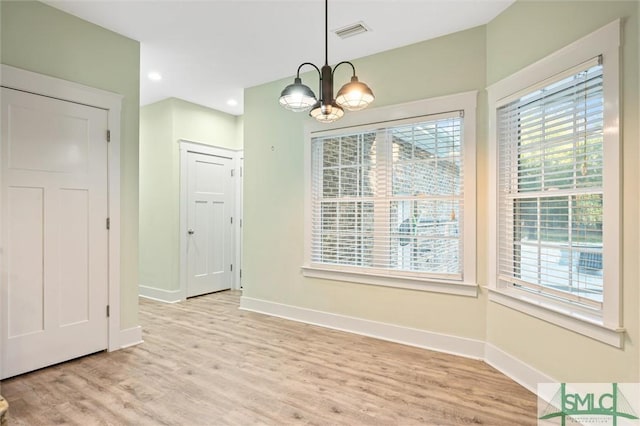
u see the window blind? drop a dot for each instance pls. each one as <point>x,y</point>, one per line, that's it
<point>390,199</point>
<point>550,148</point>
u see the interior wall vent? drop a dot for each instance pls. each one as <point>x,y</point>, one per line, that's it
<point>352,30</point>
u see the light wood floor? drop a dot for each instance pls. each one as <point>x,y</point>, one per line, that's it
<point>205,362</point>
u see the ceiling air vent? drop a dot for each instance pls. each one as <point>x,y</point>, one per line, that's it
<point>351,30</point>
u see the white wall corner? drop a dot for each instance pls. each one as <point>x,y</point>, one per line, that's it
<point>130,337</point>
<point>454,345</point>
<point>160,295</point>
<point>512,367</point>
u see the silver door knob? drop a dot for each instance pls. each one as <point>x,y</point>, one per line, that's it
<point>190,231</point>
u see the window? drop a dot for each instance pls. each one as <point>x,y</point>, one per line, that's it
<point>550,146</point>
<point>556,184</point>
<point>387,199</point>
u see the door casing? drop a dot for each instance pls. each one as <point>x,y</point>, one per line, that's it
<point>187,146</point>
<point>39,84</point>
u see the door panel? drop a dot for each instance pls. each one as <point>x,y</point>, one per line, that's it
<point>74,258</point>
<point>209,203</point>
<point>24,262</point>
<point>66,149</point>
<point>218,240</point>
<point>54,239</point>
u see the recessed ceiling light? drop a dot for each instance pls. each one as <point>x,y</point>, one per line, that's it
<point>154,76</point>
<point>232,102</point>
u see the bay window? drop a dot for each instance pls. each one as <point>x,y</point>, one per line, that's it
<point>555,188</point>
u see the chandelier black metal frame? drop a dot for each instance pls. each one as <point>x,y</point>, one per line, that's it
<point>353,96</point>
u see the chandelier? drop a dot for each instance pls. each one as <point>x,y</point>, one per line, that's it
<point>353,96</point>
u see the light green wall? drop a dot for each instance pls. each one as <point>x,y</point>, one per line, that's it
<point>523,34</point>
<point>197,123</point>
<point>159,184</point>
<point>240,132</point>
<point>274,190</point>
<point>162,125</point>
<point>42,39</point>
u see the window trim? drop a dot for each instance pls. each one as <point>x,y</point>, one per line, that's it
<point>466,102</point>
<point>605,326</point>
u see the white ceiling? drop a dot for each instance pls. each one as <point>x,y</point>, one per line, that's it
<point>209,51</point>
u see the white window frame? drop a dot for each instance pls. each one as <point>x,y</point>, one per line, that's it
<point>606,324</point>
<point>382,116</point>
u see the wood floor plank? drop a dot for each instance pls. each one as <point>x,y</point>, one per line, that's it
<point>205,362</point>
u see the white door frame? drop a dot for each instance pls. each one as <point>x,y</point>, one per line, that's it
<point>39,84</point>
<point>239,214</point>
<point>187,146</point>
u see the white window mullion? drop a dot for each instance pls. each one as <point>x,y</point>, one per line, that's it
<point>339,207</point>
<point>381,206</point>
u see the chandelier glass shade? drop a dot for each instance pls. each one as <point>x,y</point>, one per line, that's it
<point>297,97</point>
<point>353,96</point>
<point>326,113</point>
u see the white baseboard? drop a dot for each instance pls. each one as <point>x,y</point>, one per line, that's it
<point>167,296</point>
<point>518,371</point>
<point>455,345</point>
<point>130,337</point>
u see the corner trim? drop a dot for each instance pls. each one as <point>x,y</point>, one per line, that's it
<point>130,337</point>
<point>520,372</point>
<point>462,346</point>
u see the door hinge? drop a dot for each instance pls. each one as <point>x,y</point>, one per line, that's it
<point>108,135</point>
<point>108,223</point>
<point>240,273</point>
<point>232,267</point>
<point>232,172</point>
<point>240,222</point>
<point>108,313</point>
<point>240,171</point>
<point>232,220</point>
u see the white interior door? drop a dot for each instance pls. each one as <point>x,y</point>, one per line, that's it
<point>54,241</point>
<point>209,223</point>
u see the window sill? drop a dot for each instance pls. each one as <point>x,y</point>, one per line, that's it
<point>553,314</point>
<point>431,285</point>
